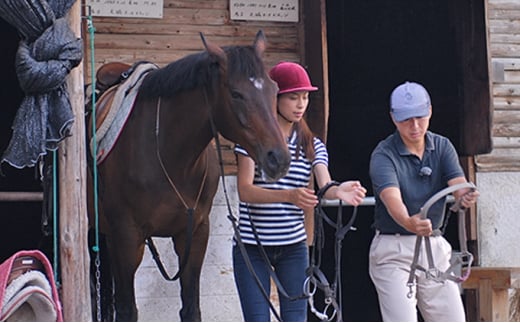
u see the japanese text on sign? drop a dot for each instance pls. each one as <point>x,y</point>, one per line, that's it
<point>126,8</point>
<point>274,10</point>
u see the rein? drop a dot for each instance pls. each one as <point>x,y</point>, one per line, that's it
<point>189,210</point>
<point>466,258</point>
<point>233,219</point>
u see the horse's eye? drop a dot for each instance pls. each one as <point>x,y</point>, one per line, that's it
<point>236,95</point>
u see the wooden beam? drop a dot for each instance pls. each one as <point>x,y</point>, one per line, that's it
<point>21,196</point>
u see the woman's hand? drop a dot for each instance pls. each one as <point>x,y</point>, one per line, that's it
<point>303,197</point>
<point>351,192</point>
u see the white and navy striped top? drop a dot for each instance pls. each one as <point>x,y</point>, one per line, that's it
<point>280,223</point>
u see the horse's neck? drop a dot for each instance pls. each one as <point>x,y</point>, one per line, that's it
<point>184,128</point>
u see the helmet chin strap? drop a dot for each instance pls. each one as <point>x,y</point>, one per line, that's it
<point>281,115</point>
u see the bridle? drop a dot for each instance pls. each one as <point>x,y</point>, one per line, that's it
<point>316,278</point>
<point>465,259</point>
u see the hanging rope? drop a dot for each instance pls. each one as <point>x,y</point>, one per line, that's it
<point>95,248</point>
<point>55,218</point>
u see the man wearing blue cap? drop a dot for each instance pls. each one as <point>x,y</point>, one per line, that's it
<point>406,169</point>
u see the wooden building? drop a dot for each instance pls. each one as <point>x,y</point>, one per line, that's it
<point>466,52</point>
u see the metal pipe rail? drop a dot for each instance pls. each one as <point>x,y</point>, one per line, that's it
<point>369,201</point>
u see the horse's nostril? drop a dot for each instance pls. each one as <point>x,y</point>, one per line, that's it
<point>277,163</point>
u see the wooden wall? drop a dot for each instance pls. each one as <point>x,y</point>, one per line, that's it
<point>177,34</point>
<point>504,48</point>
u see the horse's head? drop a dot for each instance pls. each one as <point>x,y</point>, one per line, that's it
<point>246,113</point>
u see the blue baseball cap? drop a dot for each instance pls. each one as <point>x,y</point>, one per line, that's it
<point>409,100</point>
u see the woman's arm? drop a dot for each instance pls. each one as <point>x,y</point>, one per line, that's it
<point>304,198</point>
<point>351,192</point>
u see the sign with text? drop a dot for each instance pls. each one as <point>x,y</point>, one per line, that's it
<point>271,10</point>
<point>126,8</point>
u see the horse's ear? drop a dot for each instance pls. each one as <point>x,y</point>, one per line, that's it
<point>213,49</point>
<point>260,43</point>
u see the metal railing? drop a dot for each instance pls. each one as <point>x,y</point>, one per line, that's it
<point>369,201</point>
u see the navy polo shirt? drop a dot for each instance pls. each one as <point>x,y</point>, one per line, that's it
<point>392,165</point>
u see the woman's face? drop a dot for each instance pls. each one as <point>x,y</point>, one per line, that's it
<point>292,105</point>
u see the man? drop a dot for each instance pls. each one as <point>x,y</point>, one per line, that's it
<point>406,169</point>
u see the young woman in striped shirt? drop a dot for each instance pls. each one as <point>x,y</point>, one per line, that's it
<point>272,213</point>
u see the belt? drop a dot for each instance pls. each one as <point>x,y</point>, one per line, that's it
<point>435,233</point>
<point>393,233</point>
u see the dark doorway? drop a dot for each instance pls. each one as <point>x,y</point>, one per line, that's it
<point>374,45</point>
<point>20,221</point>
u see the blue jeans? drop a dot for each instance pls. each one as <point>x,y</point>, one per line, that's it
<point>289,263</point>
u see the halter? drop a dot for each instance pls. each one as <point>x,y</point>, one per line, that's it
<point>466,258</point>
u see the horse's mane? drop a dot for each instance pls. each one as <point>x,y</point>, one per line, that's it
<point>200,69</point>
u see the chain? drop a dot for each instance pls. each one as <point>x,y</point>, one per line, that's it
<point>98,289</point>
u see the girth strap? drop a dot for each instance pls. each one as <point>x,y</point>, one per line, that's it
<point>466,258</point>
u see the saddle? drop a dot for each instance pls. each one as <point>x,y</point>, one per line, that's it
<point>27,289</point>
<point>108,77</point>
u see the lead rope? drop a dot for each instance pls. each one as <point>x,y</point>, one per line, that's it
<point>233,219</point>
<point>95,248</point>
<point>466,259</point>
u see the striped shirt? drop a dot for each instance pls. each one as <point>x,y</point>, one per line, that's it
<point>280,223</point>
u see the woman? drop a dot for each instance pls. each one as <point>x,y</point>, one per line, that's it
<point>272,213</point>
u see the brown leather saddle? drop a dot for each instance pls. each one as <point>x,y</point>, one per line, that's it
<point>108,77</point>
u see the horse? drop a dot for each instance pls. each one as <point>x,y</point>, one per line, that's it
<point>161,176</point>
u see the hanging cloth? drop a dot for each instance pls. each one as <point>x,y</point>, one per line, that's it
<point>47,52</point>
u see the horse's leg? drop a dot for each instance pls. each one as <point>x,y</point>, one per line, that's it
<point>126,253</point>
<point>190,277</point>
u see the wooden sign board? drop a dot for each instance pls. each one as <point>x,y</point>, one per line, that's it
<point>126,8</point>
<point>269,10</point>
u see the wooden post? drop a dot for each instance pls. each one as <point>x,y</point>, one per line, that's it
<point>74,256</point>
<point>492,285</point>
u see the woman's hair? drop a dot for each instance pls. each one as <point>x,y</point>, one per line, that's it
<point>304,139</point>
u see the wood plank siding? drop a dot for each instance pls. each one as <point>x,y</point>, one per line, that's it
<point>504,48</point>
<point>177,34</point>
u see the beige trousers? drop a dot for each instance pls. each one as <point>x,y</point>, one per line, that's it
<point>389,267</point>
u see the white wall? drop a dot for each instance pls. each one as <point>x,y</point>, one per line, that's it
<point>498,219</point>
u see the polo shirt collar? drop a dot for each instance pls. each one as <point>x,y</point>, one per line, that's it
<point>403,151</point>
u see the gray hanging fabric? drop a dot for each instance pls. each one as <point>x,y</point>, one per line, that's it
<point>48,51</point>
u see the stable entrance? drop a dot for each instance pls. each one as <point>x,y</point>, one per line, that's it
<point>374,45</point>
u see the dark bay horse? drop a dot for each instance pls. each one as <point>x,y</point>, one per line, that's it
<point>164,165</point>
